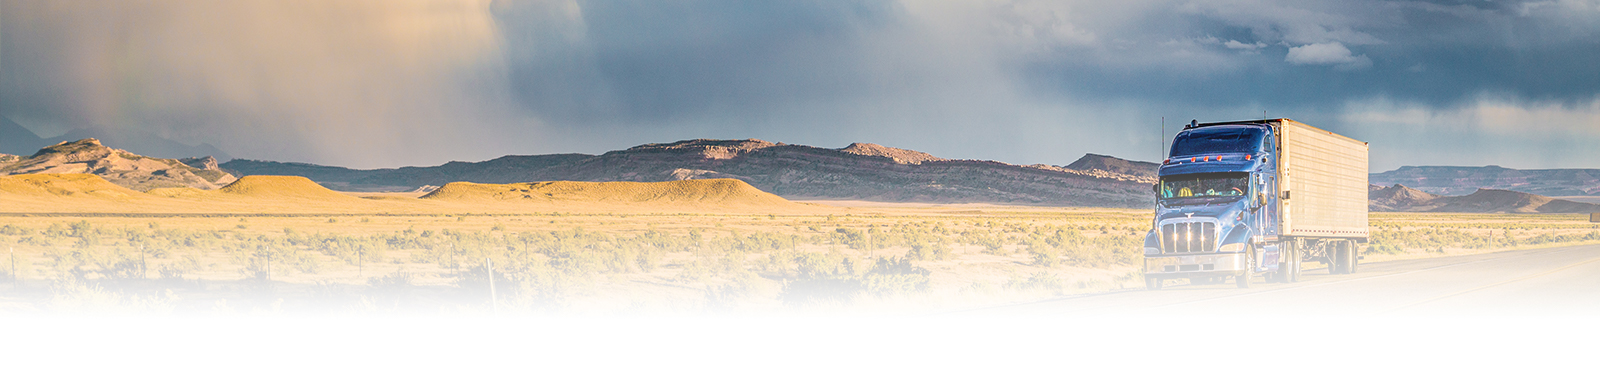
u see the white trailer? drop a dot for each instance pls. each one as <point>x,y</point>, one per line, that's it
<point>1324,197</point>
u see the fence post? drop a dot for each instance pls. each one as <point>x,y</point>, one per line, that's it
<point>494,301</point>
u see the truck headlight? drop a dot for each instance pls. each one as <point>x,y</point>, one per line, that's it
<point>1234,247</point>
<point>1151,251</point>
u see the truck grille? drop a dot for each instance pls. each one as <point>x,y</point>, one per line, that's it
<point>1189,237</point>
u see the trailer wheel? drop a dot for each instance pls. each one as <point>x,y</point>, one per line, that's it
<point>1355,257</point>
<point>1338,264</point>
<point>1152,284</point>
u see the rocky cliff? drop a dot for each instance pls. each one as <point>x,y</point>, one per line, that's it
<point>117,166</point>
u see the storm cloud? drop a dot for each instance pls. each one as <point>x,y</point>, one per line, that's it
<point>382,83</point>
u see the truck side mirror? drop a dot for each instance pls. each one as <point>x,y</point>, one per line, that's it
<point>1155,188</point>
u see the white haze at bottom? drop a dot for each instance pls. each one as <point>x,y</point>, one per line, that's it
<point>798,352</point>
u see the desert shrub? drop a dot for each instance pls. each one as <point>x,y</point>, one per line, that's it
<point>1043,254</point>
<point>892,276</point>
<point>306,264</point>
<point>738,286</point>
<point>38,241</point>
<point>396,281</point>
<point>531,282</point>
<point>851,238</point>
<point>928,250</point>
<point>177,270</point>
<point>694,271</point>
<point>646,260</point>
<point>13,230</point>
<point>820,278</point>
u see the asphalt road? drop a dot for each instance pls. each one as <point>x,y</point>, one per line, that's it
<point>1526,283</point>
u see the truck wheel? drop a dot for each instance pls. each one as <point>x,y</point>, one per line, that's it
<point>1289,269</point>
<point>1294,269</point>
<point>1243,280</point>
<point>1152,284</point>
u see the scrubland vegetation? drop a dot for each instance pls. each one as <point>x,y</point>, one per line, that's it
<point>564,262</point>
<point>628,263</point>
<point>1410,235</point>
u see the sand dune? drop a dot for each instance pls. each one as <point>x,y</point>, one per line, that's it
<point>71,185</point>
<point>71,192</point>
<point>282,188</point>
<point>85,193</point>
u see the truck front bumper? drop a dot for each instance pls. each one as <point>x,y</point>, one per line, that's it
<point>1194,265</point>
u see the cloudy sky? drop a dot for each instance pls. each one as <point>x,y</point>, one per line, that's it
<point>374,83</point>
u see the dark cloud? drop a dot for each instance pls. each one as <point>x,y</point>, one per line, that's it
<point>1020,81</point>
<point>654,60</point>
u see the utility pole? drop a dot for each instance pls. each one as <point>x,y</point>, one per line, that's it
<point>494,301</point>
<point>143,272</point>
<point>1163,144</point>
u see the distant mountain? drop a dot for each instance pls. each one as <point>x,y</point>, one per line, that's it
<point>503,170</point>
<point>142,144</point>
<point>858,171</point>
<point>1467,180</point>
<point>1401,198</point>
<point>117,166</point>
<point>1503,201</point>
<point>903,156</point>
<point>1097,162</point>
<point>15,139</point>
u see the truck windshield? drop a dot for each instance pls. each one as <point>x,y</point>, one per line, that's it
<point>1217,140</point>
<point>1204,184</point>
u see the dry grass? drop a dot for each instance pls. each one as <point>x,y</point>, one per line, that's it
<point>586,263</point>
<point>288,245</point>
<point>1418,235</point>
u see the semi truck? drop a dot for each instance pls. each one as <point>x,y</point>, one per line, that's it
<point>1256,198</point>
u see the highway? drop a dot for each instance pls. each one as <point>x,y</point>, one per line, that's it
<point>1535,283</point>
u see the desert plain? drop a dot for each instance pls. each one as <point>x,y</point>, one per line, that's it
<point>285,245</point>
